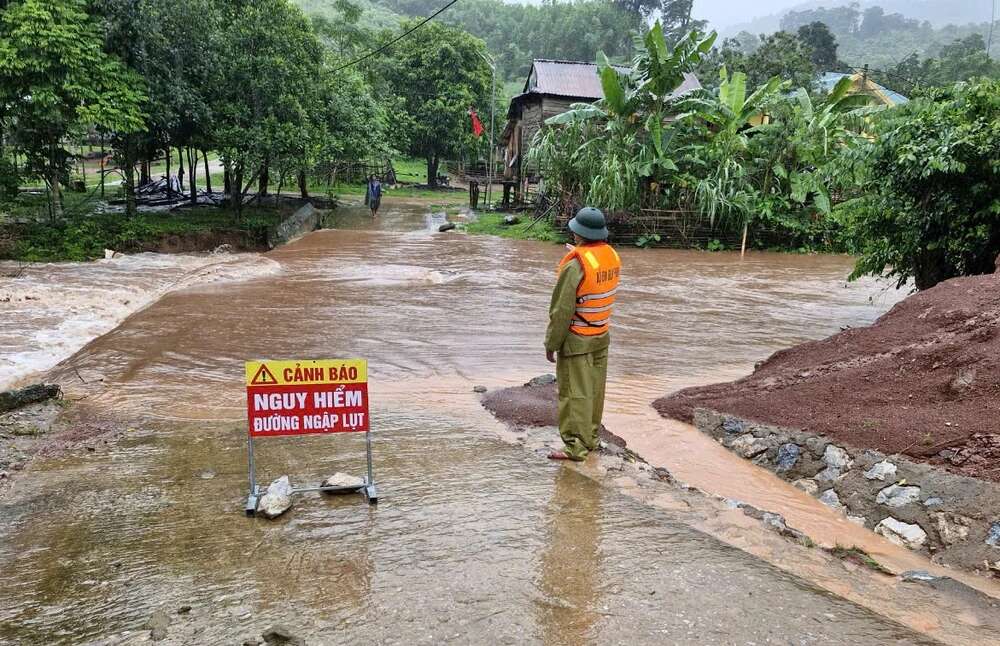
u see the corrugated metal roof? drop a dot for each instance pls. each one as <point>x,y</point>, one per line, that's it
<point>828,80</point>
<point>579,80</point>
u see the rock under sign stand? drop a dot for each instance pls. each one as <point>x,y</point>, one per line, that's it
<point>277,500</point>
<point>341,479</point>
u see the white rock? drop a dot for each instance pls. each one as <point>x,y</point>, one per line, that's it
<point>857,520</point>
<point>341,479</point>
<point>900,533</point>
<point>278,498</point>
<point>883,470</point>
<point>828,474</point>
<point>807,485</point>
<point>831,500</point>
<point>897,496</point>
<point>836,457</point>
<point>748,445</point>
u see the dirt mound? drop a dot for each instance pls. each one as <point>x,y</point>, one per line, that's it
<point>923,380</point>
<point>533,405</point>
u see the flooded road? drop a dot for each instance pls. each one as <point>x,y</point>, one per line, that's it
<point>475,540</point>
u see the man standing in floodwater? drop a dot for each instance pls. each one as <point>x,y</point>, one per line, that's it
<point>373,194</point>
<point>578,336</point>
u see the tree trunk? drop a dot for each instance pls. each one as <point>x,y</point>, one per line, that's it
<point>180,167</point>
<point>143,171</point>
<point>264,180</point>
<point>208,175</point>
<point>55,190</point>
<point>103,154</point>
<point>432,171</point>
<point>281,184</point>
<point>170,187</point>
<point>192,173</point>
<point>303,185</point>
<point>227,181</point>
<point>235,194</point>
<point>128,177</point>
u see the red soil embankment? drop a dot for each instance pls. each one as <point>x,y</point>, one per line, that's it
<point>923,380</point>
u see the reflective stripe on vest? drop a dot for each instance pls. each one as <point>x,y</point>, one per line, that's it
<point>595,297</point>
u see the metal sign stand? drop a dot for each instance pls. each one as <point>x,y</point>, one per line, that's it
<point>367,488</point>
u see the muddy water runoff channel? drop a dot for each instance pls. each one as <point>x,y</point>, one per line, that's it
<point>476,539</point>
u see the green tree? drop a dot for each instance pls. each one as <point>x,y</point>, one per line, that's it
<point>675,16</point>
<point>437,75</point>
<point>822,43</point>
<point>928,188</point>
<point>783,55</point>
<point>172,44</point>
<point>56,80</point>
<point>266,103</point>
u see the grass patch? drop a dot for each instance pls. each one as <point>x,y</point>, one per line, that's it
<point>493,224</point>
<point>84,234</point>
<point>857,555</point>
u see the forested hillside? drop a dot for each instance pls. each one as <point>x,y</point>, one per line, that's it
<point>515,34</point>
<point>936,12</point>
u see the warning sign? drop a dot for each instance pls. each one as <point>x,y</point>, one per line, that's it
<point>303,397</point>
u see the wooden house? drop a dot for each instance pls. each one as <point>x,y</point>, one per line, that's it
<point>551,88</point>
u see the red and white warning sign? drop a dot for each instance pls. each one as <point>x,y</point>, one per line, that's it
<point>303,397</point>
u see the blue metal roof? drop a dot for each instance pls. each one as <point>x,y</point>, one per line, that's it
<point>828,80</point>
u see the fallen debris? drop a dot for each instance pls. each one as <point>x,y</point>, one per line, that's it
<point>13,399</point>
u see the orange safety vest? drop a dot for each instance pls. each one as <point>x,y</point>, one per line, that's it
<point>595,297</point>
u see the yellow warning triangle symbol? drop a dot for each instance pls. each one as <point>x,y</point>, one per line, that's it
<point>263,376</point>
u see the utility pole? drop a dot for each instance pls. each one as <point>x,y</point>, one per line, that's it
<point>489,157</point>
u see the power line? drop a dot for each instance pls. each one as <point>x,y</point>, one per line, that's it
<point>396,39</point>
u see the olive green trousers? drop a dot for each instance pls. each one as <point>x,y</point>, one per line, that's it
<point>582,379</point>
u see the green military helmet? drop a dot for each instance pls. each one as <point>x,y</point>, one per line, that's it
<point>589,224</point>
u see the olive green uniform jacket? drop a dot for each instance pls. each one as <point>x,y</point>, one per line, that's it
<point>581,368</point>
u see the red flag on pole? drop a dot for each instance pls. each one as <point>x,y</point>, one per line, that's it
<point>477,125</point>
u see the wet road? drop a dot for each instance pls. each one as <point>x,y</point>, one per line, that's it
<point>475,539</point>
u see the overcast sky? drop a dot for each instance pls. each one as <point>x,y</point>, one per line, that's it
<point>724,13</point>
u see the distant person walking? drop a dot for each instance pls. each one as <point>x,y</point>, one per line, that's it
<point>373,194</point>
<point>578,336</point>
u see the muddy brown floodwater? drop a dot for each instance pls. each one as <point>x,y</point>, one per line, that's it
<point>475,539</point>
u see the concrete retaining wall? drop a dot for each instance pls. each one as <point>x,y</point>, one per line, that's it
<point>304,220</point>
<point>953,519</point>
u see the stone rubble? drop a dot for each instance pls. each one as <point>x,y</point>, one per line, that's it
<point>831,500</point>
<point>898,495</point>
<point>341,479</point>
<point>837,458</point>
<point>951,528</point>
<point>883,470</point>
<point>900,533</point>
<point>277,500</point>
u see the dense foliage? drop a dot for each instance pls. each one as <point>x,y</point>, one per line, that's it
<point>517,33</point>
<point>56,80</point>
<point>436,78</point>
<point>270,92</point>
<point>927,189</point>
<point>749,157</point>
<point>881,39</point>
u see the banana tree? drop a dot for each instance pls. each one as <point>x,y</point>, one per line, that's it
<point>728,117</point>
<point>628,141</point>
